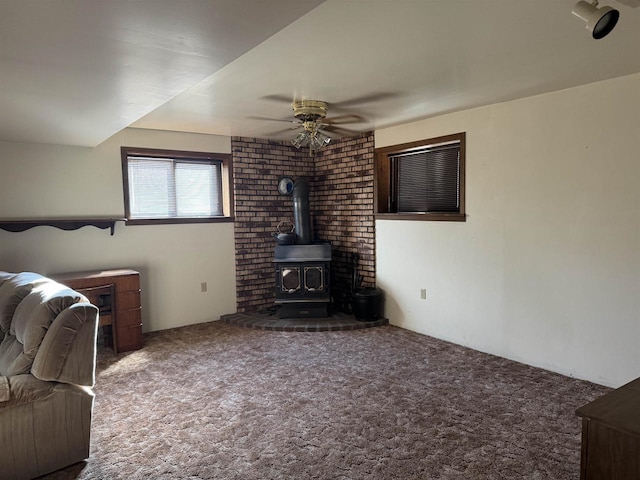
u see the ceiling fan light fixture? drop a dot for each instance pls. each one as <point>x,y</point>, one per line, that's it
<point>325,139</point>
<point>310,113</point>
<point>300,140</point>
<point>315,140</point>
<point>318,141</point>
<point>600,21</point>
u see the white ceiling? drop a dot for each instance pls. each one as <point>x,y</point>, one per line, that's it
<point>78,71</point>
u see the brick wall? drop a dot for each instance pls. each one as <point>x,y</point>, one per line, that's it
<point>341,202</point>
<point>343,210</point>
<point>257,166</point>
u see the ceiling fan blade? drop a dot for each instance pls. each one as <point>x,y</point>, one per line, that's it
<point>278,98</point>
<point>372,97</point>
<point>343,119</point>
<point>285,130</point>
<point>256,117</point>
<point>343,132</point>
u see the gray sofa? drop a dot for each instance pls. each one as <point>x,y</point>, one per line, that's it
<point>47,371</point>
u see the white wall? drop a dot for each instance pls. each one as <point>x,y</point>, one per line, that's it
<point>38,180</point>
<point>546,270</point>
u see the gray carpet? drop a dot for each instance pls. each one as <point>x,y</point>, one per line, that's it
<point>216,401</point>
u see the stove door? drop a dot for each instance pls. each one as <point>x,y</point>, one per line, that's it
<point>290,279</point>
<point>302,282</point>
<point>314,278</point>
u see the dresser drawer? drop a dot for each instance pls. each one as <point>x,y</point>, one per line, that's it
<point>129,318</point>
<point>127,300</point>
<point>127,283</point>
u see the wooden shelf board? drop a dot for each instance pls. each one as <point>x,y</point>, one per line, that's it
<point>20,225</point>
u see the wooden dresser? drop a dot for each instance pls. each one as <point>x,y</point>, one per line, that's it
<point>611,435</point>
<point>117,294</point>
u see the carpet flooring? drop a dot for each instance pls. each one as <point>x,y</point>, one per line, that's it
<point>217,401</point>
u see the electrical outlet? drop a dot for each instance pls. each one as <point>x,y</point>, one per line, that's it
<point>203,286</point>
<point>423,293</point>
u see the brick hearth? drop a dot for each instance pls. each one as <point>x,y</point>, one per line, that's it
<point>270,321</point>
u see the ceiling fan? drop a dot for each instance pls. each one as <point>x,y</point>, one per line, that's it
<point>311,117</point>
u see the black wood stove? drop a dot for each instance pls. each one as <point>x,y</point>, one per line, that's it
<point>303,280</point>
<point>303,269</point>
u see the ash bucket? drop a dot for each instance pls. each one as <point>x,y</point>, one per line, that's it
<point>367,304</point>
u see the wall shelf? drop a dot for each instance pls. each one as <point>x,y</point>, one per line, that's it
<point>61,223</point>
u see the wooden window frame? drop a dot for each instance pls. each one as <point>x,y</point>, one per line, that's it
<point>383,181</point>
<point>226,161</point>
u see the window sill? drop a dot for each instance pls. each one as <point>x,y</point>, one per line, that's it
<point>170,221</point>
<point>428,217</point>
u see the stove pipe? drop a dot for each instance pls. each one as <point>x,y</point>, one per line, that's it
<point>301,212</point>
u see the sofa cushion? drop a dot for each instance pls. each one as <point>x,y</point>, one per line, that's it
<point>30,323</point>
<point>13,288</point>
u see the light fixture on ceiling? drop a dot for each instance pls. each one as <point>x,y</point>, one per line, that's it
<point>600,21</point>
<point>310,112</point>
<point>311,137</point>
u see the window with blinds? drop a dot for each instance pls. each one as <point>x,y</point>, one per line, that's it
<point>422,180</point>
<point>428,180</point>
<point>162,185</point>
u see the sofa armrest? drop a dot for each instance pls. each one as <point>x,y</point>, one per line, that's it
<point>5,391</point>
<point>44,426</point>
<point>68,351</point>
<point>26,388</point>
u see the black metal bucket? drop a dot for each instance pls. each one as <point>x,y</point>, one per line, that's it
<point>367,304</point>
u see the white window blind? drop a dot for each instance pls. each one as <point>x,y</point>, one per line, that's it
<point>174,188</point>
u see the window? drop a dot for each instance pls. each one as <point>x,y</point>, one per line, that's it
<point>422,180</point>
<point>162,186</point>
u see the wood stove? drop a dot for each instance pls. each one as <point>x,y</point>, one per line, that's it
<point>303,280</point>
